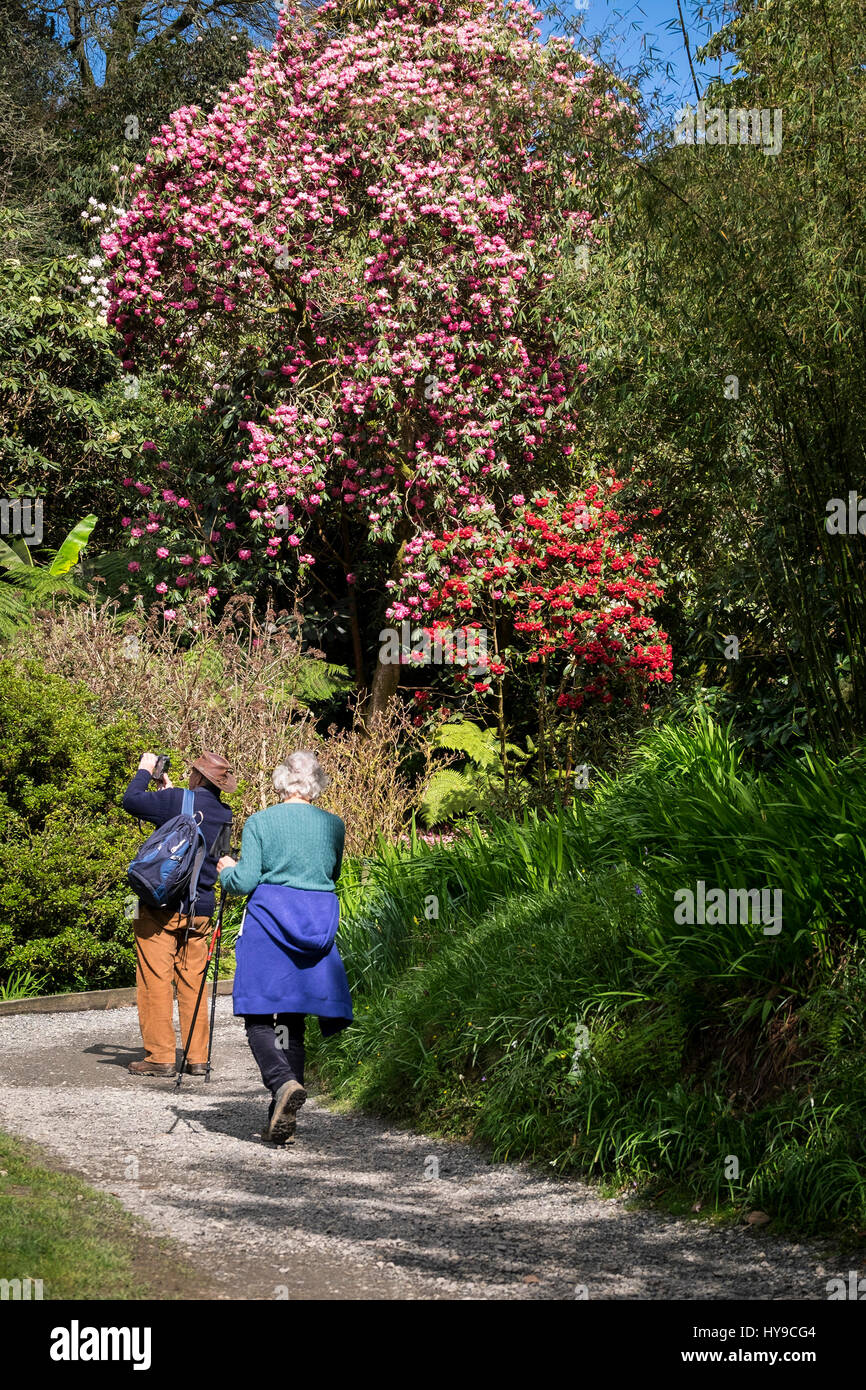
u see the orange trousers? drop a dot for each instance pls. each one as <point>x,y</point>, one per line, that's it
<point>164,957</point>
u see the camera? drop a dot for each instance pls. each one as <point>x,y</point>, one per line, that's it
<point>160,768</point>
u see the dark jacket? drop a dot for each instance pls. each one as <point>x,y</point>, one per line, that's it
<point>159,806</point>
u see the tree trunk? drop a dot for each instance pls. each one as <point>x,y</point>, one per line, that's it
<point>123,39</point>
<point>386,676</point>
<point>77,46</point>
<point>386,679</point>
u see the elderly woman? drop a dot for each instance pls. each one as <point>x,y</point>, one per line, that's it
<point>287,965</point>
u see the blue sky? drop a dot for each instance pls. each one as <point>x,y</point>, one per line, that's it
<point>635,31</point>
<point>649,30</point>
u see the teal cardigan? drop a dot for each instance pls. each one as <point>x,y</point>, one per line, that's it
<point>295,844</point>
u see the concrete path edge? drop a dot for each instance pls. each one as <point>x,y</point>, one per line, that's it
<point>86,999</point>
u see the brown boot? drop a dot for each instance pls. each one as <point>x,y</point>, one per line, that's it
<point>152,1068</point>
<point>197,1068</point>
<point>288,1100</point>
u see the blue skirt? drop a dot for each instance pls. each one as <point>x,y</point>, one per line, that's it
<point>286,957</point>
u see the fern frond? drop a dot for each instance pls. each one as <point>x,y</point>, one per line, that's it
<point>451,793</point>
<point>481,746</point>
<point>14,609</point>
<point>321,680</point>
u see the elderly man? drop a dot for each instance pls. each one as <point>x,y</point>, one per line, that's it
<point>169,946</point>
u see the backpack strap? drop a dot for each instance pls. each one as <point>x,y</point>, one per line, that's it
<point>188,809</point>
<point>200,854</point>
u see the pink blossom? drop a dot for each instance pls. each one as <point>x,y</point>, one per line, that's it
<point>462,239</point>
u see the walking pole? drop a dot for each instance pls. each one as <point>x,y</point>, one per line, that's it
<point>216,972</point>
<point>214,942</point>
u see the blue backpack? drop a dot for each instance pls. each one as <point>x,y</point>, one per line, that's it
<point>165,871</point>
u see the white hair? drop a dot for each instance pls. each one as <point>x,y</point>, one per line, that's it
<point>301,775</point>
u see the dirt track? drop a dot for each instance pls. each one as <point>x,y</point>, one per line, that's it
<point>354,1210</point>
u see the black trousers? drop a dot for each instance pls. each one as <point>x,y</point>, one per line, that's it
<point>277,1043</point>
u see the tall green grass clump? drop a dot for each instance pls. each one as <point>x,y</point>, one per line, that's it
<point>529,987</point>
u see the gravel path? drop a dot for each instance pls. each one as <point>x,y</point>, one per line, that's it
<point>354,1209</point>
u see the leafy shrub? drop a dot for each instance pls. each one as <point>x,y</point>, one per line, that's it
<point>65,843</point>
<point>452,791</point>
<point>74,960</point>
<point>241,687</point>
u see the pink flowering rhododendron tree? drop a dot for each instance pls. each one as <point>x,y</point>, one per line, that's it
<point>347,262</point>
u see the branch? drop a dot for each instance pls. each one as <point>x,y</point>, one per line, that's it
<point>77,46</point>
<point>688,49</point>
<point>183,20</point>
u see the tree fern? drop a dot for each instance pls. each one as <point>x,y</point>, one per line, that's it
<point>451,793</point>
<point>14,609</point>
<point>320,680</point>
<point>459,791</point>
<point>481,746</point>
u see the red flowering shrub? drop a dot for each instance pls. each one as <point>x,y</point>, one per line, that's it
<point>564,583</point>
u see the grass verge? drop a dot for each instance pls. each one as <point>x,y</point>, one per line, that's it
<point>81,1243</point>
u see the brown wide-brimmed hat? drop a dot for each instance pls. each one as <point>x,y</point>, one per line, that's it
<point>217,770</point>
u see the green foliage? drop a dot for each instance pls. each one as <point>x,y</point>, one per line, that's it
<point>453,792</point>
<point>699,1043</point>
<point>59,394</point>
<point>69,551</point>
<point>28,584</point>
<point>74,960</point>
<point>101,144</point>
<point>317,682</point>
<point>481,746</point>
<point>724,321</point>
<point>22,984</point>
<point>64,404</point>
<point>65,843</point>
